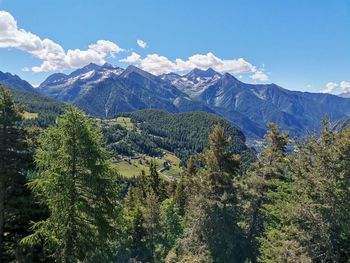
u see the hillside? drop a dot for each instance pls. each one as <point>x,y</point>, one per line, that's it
<point>15,82</point>
<point>153,132</point>
<point>46,109</point>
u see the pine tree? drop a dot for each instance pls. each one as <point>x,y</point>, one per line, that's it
<point>138,233</point>
<point>75,182</point>
<point>212,233</point>
<point>264,176</point>
<point>152,224</point>
<point>13,157</point>
<point>155,182</point>
<point>185,187</point>
<point>309,219</point>
<point>171,225</point>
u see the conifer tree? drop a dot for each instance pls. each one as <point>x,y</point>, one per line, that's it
<point>312,220</point>
<point>171,225</point>
<point>212,233</point>
<point>13,153</point>
<point>75,182</point>
<point>264,176</point>
<point>152,224</point>
<point>185,187</point>
<point>155,182</point>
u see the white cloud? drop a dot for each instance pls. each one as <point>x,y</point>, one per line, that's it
<point>259,75</point>
<point>330,87</point>
<point>133,58</point>
<point>55,58</point>
<point>158,64</point>
<point>141,43</point>
<point>345,85</point>
<point>52,54</point>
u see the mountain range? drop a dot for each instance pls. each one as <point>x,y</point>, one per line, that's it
<point>106,90</point>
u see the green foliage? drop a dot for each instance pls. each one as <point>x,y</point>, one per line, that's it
<point>48,109</point>
<point>212,233</point>
<point>183,134</point>
<point>284,207</point>
<point>75,182</point>
<point>14,159</point>
<point>262,180</point>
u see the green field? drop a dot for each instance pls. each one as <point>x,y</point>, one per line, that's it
<point>135,168</point>
<point>30,115</point>
<point>125,122</point>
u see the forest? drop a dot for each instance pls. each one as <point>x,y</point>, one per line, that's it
<point>62,201</point>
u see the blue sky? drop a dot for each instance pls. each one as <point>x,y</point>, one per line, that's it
<point>300,45</point>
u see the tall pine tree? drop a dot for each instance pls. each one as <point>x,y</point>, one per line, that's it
<point>212,233</point>
<point>13,151</point>
<point>75,182</point>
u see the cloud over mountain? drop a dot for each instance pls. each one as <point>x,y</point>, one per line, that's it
<point>53,55</point>
<point>158,64</point>
<point>55,58</point>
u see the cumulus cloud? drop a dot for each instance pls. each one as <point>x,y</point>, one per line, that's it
<point>260,76</point>
<point>141,43</point>
<point>330,87</point>
<point>158,64</point>
<point>133,58</point>
<point>345,85</point>
<point>55,58</point>
<point>53,55</point>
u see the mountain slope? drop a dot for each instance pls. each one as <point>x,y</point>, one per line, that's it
<point>194,82</point>
<point>102,93</point>
<point>132,90</point>
<point>180,133</point>
<point>15,82</point>
<point>70,87</point>
<point>46,108</point>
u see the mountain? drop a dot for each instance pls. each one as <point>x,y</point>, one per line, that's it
<point>15,82</point>
<point>295,111</point>
<point>193,83</point>
<point>344,95</point>
<point>70,87</point>
<point>341,124</point>
<point>135,89</point>
<point>107,90</point>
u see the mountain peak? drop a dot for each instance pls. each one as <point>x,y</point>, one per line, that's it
<point>15,82</point>
<point>133,69</point>
<point>196,72</point>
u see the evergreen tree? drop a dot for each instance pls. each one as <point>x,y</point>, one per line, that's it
<point>138,233</point>
<point>155,182</point>
<point>212,233</point>
<point>171,225</point>
<point>13,162</point>
<point>312,221</point>
<point>152,224</point>
<point>185,187</point>
<point>75,182</point>
<point>264,176</point>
